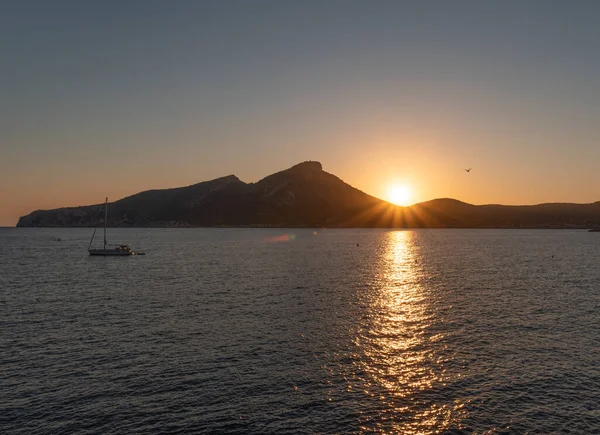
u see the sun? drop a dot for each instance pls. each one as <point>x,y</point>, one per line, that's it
<point>399,194</point>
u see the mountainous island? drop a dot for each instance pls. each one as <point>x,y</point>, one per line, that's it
<point>304,196</point>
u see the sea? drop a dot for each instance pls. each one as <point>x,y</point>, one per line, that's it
<point>300,331</point>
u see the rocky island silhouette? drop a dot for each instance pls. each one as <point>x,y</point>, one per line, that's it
<point>305,196</point>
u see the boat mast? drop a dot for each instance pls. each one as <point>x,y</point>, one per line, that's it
<point>105,215</point>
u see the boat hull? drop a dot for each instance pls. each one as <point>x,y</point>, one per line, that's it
<point>110,252</point>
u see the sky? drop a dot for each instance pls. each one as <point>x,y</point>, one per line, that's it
<point>111,98</point>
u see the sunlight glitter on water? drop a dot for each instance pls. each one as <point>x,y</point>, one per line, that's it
<point>399,349</point>
<point>417,332</point>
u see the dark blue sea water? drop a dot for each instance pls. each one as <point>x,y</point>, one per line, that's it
<point>300,331</point>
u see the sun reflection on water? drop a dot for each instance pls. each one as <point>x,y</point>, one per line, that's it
<point>399,362</point>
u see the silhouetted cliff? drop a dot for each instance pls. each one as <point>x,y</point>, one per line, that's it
<point>305,196</point>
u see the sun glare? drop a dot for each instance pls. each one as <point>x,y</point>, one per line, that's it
<point>399,195</point>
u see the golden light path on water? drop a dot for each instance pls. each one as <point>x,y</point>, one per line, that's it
<point>400,362</point>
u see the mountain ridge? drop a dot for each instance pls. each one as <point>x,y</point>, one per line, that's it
<point>304,195</point>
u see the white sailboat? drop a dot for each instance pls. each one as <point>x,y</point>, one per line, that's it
<point>118,250</point>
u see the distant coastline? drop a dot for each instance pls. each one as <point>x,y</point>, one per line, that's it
<point>540,227</point>
<point>305,196</point>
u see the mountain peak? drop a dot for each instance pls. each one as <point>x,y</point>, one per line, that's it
<point>228,178</point>
<point>309,165</point>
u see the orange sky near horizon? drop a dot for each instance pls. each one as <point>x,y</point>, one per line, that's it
<point>428,159</point>
<point>427,177</point>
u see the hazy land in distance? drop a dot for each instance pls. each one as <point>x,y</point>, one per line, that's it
<point>304,196</point>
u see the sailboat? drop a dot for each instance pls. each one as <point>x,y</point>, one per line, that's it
<point>118,250</point>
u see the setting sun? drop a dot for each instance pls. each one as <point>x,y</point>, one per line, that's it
<point>399,195</point>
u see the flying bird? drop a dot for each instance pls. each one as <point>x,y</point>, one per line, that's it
<point>468,170</point>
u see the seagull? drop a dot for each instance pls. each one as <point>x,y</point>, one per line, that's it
<point>468,170</point>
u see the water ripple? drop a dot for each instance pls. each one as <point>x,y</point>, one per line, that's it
<point>329,331</point>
